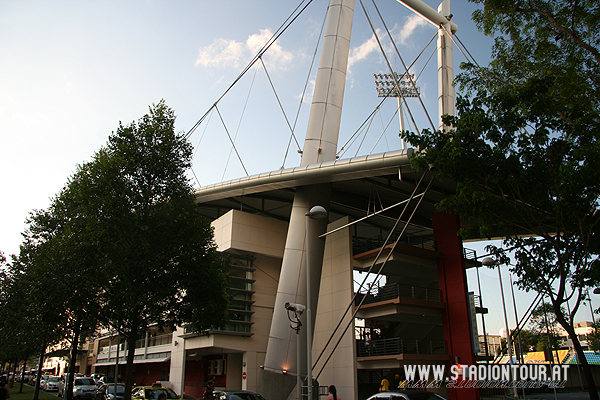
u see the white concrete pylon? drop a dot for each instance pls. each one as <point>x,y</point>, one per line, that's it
<point>445,65</point>
<point>320,145</point>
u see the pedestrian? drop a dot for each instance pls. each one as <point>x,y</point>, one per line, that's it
<point>4,393</point>
<point>333,393</point>
<point>384,386</point>
<point>210,387</point>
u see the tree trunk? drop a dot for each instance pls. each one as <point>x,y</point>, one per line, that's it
<point>14,375</point>
<point>23,373</point>
<point>68,392</point>
<point>36,393</point>
<point>587,372</point>
<point>131,338</point>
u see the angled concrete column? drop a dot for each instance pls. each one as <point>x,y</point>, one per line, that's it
<point>320,145</point>
<point>445,65</point>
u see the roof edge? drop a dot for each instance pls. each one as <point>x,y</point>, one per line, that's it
<point>330,171</point>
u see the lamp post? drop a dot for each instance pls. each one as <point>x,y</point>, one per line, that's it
<point>316,212</point>
<point>489,262</point>
<point>485,341</point>
<point>297,309</point>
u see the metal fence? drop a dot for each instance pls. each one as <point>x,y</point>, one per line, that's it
<point>395,346</point>
<point>395,290</point>
<point>154,341</point>
<point>364,244</point>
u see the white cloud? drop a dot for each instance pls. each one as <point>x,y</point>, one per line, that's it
<point>401,35</point>
<point>222,52</point>
<point>361,52</point>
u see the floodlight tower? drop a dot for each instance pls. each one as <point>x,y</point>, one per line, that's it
<point>442,19</point>
<point>399,86</point>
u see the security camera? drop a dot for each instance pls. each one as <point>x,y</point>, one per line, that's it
<point>297,308</point>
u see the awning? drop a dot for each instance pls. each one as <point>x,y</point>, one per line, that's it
<point>63,353</point>
<point>538,357</point>
<point>141,361</point>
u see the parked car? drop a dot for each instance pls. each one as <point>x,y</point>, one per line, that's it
<point>83,387</point>
<point>152,392</point>
<point>407,395</point>
<point>20,377</point>
<point>43,380</point>
<point>51,384</point>
<point>236,395</point>
<point>105,379</point>
<point>107,392</point>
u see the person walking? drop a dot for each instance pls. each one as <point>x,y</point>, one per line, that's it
<point>384,386</point>
<point>4,394</point>
<point>333,393</point>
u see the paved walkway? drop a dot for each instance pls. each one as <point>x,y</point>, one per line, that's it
<point>560,395</point>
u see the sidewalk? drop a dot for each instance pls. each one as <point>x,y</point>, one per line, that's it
<point>560,395</point>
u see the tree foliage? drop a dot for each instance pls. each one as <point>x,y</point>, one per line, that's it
<point>593,337</point>
<point>545,325</point>
<point>133,204</point>
<point>122,245</point>
<point>524,149</point>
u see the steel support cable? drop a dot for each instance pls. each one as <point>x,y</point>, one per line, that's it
<point>406,69</point>
<point>520,327</point>
<point>517,330</point>
<point>233,144</point>
<point>384,130</point>
<point>364,136</point>
<point>426,63</point>
<point>197,147</point>
<point>240,122</point>
<point>361,126</point>
<point>408,201</point>
<point>339,153</point>
<point>370,268</point>
<point>278,101</point>
<point>312,63</point>
<point>377,276</point>
<point>461,47</point>
<point>290,19</point>
<point>387,61</point>
<point>369,216</point>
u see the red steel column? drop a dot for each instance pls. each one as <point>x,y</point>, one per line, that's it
<point>453,285</point>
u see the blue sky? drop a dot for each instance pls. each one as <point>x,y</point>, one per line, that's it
<point>71,70</point>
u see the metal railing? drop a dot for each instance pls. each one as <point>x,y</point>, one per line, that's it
<point>396,346</point>
<point>154,341</point>
<point>477,300</point>
<point>469,254</point>
<point>364,244</point>
<point>395,290</point>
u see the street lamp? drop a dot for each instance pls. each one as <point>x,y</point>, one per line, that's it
<point>490,262</point>
<point>297,309</point>
<point>316,212</point>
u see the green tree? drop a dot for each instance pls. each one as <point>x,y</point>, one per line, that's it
<point>63,277</point>
<point>529,340</point>
<point>28,322</point>
<point>544,322</point>
<point>524,149</point>
<point>135,206</point>
<point>593,337</point>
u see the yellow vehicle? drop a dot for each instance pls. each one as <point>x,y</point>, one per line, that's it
<point>152,392</point>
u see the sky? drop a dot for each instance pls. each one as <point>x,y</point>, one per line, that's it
<point>72,71</point>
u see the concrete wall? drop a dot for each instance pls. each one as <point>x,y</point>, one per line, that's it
<point>337,290</point>
<point>263,239</point>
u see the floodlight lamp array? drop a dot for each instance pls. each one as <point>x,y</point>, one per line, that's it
<point>385,84</point>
